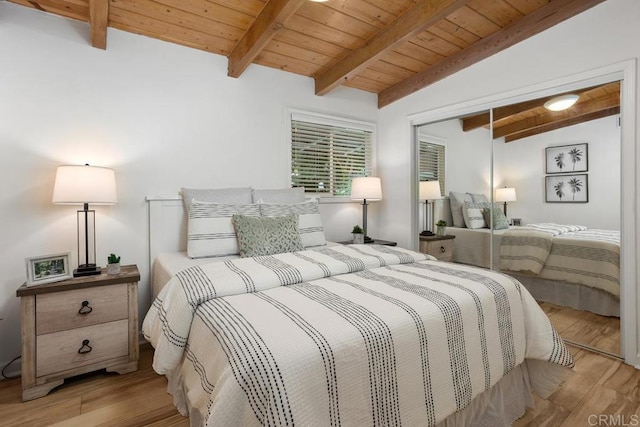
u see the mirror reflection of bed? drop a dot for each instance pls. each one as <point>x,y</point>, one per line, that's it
<point>578,287</point>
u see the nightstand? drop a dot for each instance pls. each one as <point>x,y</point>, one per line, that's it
<point>77,326</point>
<point>440,247</point>
<point>373,242</point>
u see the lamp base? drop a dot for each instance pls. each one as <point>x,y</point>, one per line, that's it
<point>87,270</point>
<point>427,233</point>
<point>368,239</point>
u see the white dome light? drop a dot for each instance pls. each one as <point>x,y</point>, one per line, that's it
<point>560,103</point>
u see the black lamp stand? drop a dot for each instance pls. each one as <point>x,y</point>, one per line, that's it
<point>426,219</point>
<point>367,239</point>
<point>89,267</point>
<point>505,209</point>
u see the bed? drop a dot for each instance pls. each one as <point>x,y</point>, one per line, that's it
<point>579,268</point>
<point>353,335</point>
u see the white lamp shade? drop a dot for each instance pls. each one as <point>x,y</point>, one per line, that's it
<point>430,190</point>
<point>506,194</point>
<point>85,184</point>
<point>366,187</point>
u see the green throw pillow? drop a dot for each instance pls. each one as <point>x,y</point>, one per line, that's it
<point>499,220</point>
<point>267,236</point>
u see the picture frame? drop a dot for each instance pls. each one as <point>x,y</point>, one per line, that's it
<point>48,268</point>
<point>567,158</point>
<point>572,188</point>
<point>517,222</point>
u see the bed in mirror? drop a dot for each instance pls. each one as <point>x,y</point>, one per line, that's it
<point>537,166</point>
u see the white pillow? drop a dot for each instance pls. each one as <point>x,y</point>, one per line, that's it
<point>473,217</point>
<point>479,198</point>
<point>228,196</point>
<point>210,231</point>
<point>309,220</point>
<point>457,200</point>
<point>285,196</point>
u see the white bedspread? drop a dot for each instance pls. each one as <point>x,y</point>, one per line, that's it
<point>572,254</point>
<point>351,335</point>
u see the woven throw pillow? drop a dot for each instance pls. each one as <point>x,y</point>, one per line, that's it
<point>210,231</point>
<point>267,236</point>
<point>309,220</point>
<point>499,220</point>
<point>472,213</point>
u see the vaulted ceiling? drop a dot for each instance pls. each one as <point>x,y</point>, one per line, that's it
<point>389,47</point>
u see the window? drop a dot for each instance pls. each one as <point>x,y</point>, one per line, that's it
<point>327,152</point>
<point>432,160</point>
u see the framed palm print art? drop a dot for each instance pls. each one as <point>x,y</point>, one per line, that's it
<point>567,158</point>
<point>567,188</point>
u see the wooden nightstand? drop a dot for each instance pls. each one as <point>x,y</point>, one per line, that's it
<point>440,247</point>
<point>373,242</point>
<point>78,326</point>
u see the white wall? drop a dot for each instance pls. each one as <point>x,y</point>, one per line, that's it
<point>521,164</point>
<point>163,116</point>
<point>603,35</point>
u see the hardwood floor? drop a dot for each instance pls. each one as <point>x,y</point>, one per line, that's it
<point>600,332</point>
<point>136,399</point>
<point>601,385</point>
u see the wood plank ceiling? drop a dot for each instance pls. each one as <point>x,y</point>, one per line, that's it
<point>389,47</point>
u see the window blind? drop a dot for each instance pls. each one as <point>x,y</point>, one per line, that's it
<point>327,154</point>
<point>432,163</point>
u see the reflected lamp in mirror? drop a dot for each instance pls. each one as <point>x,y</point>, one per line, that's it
<point>429,191</point>
<point>82,185</point>
<point>367,189</point>
<point>506,194</point>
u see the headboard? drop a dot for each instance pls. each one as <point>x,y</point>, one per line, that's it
<point>167,225</point>
<point>442,210</point>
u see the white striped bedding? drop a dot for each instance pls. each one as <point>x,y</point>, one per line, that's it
<point>572,254</point>
<point>350,335</point>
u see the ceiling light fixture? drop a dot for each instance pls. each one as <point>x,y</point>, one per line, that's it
<point>560,103</point>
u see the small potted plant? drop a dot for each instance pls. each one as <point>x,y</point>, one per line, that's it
<point>113,264</point>
<point>358,234</point>
<point>441,228</point>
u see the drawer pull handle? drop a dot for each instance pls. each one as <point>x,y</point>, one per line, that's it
<point>442,249</point>
<point>86,348</point>
<point>86,308</point>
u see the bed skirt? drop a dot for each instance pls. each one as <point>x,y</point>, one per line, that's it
<point>580,297</point>
<point>501,405</point>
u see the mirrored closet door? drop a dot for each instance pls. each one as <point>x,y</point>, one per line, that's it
<point>563,167</point>
<point>531,165</point>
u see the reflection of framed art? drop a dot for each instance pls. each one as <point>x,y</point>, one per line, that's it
<point>48,268</point>
<point>567,188</point>
<point>567,158</point>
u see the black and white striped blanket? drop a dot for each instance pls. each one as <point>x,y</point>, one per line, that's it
<point>348,335</point>
<point>572,254</point>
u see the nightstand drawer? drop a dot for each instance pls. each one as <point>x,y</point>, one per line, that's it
<point>65,350</point>
<point>61,311</point>
<point>441,249</point>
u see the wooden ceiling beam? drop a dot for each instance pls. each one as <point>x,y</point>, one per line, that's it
<point>482,119</point>
<point>272,17</point>
<point>543,18</point>
<point>99,20</point>
<point>549,117</point>
<point>563,123</point>
<point>408,25</point>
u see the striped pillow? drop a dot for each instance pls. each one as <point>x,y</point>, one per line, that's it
<point>210,231</point>
<point>309,220</point>
<point>472,213</point>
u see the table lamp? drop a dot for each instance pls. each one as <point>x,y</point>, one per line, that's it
<point>366,188</point>
<point>429,190</point>
<point>505,195</point>
<point>83,185</point>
